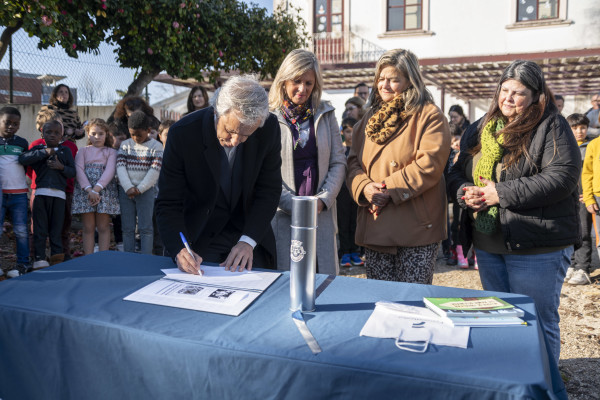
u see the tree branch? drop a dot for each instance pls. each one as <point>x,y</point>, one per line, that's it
<point>6,35</point>
<point>142,80</point>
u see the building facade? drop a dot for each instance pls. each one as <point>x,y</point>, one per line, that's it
<point>463,45</point>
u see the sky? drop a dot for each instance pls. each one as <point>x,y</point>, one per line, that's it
<point>268,4</point>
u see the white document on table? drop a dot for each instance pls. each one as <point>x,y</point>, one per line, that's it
<point>214,275</point>
<point>218,291</point>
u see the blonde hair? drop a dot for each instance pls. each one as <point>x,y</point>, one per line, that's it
<point>417,95</point>
<point>46,115</point>
<point>296,63</point>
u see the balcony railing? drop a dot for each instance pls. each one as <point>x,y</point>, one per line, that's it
<point>344,47</point>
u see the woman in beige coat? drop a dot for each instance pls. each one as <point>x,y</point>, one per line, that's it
<point>395,173</point>
<point>313,160</point>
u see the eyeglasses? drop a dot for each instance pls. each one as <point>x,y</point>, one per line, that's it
<point>350,108</point>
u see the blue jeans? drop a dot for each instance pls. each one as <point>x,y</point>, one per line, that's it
<point>142,207</point>
<point>17,205</point>
<point>539,276</point>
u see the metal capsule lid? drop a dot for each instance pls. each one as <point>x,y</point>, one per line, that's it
<point>304,211</point>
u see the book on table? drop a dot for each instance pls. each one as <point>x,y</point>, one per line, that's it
<point>476,311</point>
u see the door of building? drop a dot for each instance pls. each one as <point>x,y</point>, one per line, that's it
<point>329,31</point>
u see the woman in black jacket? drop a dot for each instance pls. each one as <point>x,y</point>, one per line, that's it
<point>516,179</point>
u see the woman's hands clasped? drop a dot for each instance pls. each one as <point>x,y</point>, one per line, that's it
<point>480,198</point>
<point>377,195</point>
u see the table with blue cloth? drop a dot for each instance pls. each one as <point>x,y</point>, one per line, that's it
<point>67,333</point>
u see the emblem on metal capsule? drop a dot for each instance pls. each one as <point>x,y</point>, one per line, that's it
<point>297,251</point>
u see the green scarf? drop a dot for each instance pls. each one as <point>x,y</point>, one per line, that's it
<point>491,154</point>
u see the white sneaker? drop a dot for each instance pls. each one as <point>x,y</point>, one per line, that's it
<point>580,277</point>
<point>40,264</point>
<point>119,247</point>
<point>569,274</point>
<point>13,273</point>
<point>18,270</point>
<point>96,248</point>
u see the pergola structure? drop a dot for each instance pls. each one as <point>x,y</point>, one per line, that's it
<point>567,72</point>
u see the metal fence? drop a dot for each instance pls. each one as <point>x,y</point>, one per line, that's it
<point>344,47</point>
<point>93,78</point>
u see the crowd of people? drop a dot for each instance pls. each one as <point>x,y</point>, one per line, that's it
<point>523,181</point>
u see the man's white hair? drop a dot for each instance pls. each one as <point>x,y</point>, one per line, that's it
<point>244,95</point>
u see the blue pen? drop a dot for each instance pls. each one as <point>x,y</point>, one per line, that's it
<point>187,247</point>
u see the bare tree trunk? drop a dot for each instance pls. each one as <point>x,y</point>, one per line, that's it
<point>142,80</point>
<point>6,35</point>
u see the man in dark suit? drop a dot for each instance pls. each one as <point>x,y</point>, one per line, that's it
<point>220,181</point>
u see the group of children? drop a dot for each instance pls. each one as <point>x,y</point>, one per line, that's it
<point>111,176</point>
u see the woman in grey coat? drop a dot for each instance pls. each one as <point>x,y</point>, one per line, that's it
<point>313,161</point>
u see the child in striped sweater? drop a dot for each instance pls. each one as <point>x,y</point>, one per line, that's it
<point>138,166</point>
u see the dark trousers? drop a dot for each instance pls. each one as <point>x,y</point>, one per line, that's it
<point>583,256</point>
<point>453,233</point>
<point>157,244</point>
<point>346,218</point>
<point>65,234</point>
<point>447,243</point>
<point>116,220</point>
<point>452,240</point>
<point>48,216</point>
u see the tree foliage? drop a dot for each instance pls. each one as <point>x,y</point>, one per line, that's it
<point>75,25</point>
<point>185,38</point>
<point>190,37</point>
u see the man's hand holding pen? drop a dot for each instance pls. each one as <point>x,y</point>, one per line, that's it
<point>187,260</point>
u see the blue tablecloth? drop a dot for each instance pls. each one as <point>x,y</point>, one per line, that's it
<point>67,333</point>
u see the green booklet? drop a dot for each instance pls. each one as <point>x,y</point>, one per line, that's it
<point>483,307</point>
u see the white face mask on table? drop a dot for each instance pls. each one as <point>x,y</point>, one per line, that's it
<point>413,328</point>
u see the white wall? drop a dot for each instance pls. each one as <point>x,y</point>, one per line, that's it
<point>479,27</point>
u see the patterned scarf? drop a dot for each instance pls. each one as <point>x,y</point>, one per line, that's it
<point>296,115</point>
<point>491,154</point>
<point>385,122</point>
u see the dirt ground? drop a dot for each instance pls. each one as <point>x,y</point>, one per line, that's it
<point>579,311</point>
